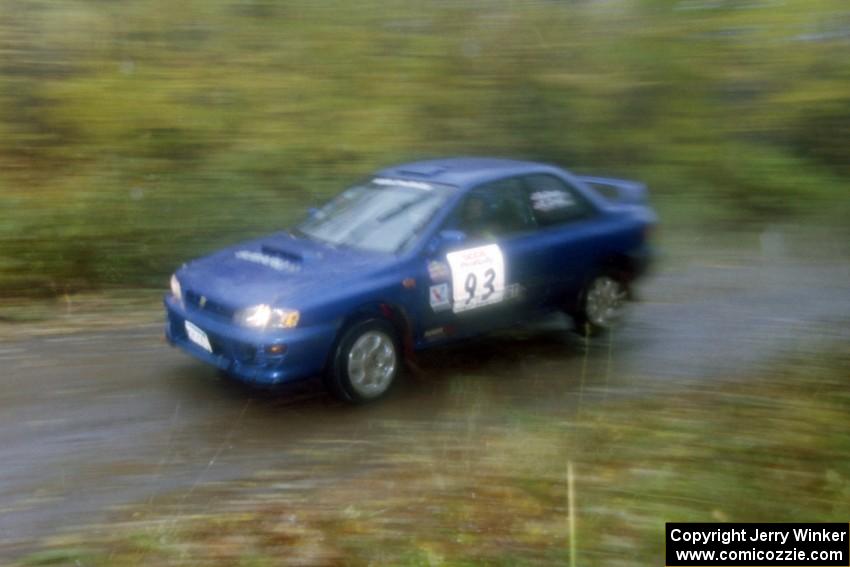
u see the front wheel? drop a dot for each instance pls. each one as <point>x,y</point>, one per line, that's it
<point>366,362</point>
<point>601,305</point>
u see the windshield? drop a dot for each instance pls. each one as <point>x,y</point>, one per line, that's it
<point>383,215</point>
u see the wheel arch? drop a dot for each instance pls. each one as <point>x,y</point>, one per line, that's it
<point>620,264</point>
<point>387,315</point>
<point>616,264</point>
<point>384,310</point>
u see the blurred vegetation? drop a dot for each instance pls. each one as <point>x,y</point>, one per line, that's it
<point>137,134</point>
<point>470,487</point>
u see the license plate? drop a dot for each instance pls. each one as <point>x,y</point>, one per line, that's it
<point>197,336</point>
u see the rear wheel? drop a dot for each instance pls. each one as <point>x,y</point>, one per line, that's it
<point>601,305</point>
<point>366,362</point>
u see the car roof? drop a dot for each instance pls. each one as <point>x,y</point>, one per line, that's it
<point>463,172</point>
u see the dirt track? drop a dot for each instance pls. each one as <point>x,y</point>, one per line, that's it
<point>92,421</point>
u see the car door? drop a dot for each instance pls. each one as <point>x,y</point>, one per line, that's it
<point>569,237</point>
<point>494,276</point>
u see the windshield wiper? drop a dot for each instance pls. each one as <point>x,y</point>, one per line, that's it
<point>401,208</point>
<point>357,235</point>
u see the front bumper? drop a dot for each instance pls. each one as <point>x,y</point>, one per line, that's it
<point>243,353</point>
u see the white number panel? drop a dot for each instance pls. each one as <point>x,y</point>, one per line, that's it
<point>478,277</point>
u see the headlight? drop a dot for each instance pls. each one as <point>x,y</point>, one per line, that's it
<point>266,316</point>
<point>175,288</point>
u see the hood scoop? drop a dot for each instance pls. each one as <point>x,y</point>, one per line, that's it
<point>274,258</point>
<point>288,255</point>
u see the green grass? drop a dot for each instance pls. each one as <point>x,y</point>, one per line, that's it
<point>770,447</point>
<point>131,141</point>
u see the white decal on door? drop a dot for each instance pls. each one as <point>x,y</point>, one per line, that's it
<point>478,277</point>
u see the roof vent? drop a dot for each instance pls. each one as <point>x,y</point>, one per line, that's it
<point>422,170</point>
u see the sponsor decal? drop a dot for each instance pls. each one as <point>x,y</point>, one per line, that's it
<point>514,291</point>
<point>435,333</point>
<point>438,296</point>
<point>438,271</point>
<point>550,200</point>
<point>272,262</point>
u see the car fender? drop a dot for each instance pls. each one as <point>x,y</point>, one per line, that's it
<point>389,311</point>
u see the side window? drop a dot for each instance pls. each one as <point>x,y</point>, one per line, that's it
<point>494,210</point>
<point>554,202</point>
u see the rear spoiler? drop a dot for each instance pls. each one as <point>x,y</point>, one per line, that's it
<point>618,190</point>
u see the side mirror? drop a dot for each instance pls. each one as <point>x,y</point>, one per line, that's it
<point>446,239</point>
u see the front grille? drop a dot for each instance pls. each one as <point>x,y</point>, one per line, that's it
<point>198,302</point>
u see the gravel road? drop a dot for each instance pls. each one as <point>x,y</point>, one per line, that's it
<point>91,421</point>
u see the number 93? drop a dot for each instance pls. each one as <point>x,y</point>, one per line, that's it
<point>471,285</point>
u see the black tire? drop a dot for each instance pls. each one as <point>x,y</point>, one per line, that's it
<point>377,343</point>
<point>589,317</point>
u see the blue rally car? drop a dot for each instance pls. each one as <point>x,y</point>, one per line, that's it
<point>415,256</point>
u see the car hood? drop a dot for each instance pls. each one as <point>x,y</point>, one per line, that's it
<point>281,270</point>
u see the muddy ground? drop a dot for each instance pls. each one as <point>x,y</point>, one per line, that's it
<point>91,421</point>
